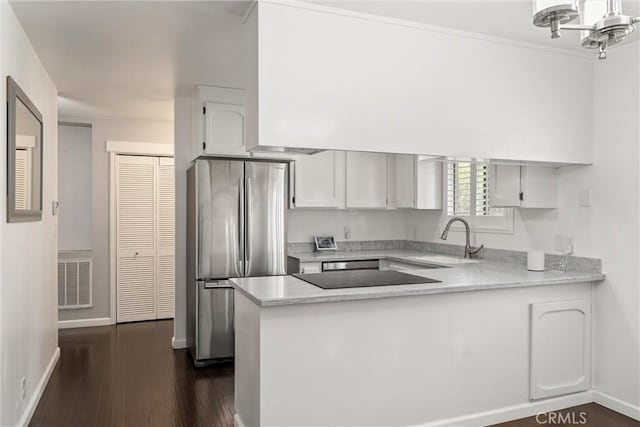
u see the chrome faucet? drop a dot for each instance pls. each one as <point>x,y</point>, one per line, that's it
<point>468,250</point>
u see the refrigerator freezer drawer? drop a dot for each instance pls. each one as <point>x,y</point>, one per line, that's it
<point>214,323</point>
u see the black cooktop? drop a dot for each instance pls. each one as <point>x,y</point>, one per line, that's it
<point>361,279</point>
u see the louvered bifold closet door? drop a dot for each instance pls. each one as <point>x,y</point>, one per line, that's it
<point>165,268</point>
<point>136,235</point>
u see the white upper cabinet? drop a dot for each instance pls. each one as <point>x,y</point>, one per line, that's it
<point>224,129</point>
<point>422,90</point>
<point>504,185</point>
<point>218,122</point>
<point>219,125</point>
<point>417,184</point>
<point>403,191</point>
<point>428,183</point>
<point>366,180</point>
<point>335,179</point>
<point>318,180</point>
<point>523,186</point>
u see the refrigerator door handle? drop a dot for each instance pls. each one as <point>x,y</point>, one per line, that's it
<point>247,204</point>
<point>241,199</point>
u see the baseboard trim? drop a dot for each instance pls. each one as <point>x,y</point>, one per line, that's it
<point>85,323</point>
<point>515,412</point>
<point>616,404</point>
<point>178,343</point>
<point>237,421</point>
<point>42,384</point>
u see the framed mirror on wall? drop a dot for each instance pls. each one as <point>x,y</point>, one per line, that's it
<point>24,156</point>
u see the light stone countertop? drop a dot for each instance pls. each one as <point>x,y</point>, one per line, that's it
<point>476,276</point>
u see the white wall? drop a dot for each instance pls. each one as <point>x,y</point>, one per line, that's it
<point>615,224</point>
<point>609,229</point>
<point>183,157</point>
<point>74,188</point>
<point>104,129</point>
<point>303,224</point>
<point>28,304</point>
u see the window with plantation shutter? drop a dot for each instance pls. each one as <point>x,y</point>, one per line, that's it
<point>468,197</point>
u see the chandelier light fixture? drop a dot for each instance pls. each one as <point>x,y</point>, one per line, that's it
<point>601,22</point>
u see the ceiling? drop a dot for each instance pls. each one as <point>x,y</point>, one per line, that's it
<point>129,59</point>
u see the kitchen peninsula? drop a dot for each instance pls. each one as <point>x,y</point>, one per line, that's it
<point>413,354</point>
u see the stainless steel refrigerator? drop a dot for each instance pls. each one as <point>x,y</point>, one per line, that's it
<point>236,227</point>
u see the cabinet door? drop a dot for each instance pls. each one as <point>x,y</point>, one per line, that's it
<point>504,186</point>
<point>319,180</point>
<point>405,182</point>
<point>224,129</point>
<point>366,180</point>
<point>560,348</point>
<point>539,186</point>
<point>429,184</point>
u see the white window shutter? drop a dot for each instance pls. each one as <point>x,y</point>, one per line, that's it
<point>469,196</point>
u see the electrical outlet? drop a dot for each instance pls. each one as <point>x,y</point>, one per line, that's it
<point>585,198</point>
<point>347,233</point>
<point>23,388</point>
<point>564,244</point>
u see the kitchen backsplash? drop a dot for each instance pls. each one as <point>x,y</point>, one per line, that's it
<point>497,255</point>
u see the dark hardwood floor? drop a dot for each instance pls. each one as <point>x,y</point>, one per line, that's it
<point>128,375</point>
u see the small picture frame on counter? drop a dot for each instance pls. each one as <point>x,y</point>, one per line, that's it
<point>325,243</point>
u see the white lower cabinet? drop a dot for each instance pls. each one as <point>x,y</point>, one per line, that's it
<point>318,180</point>
<point>523,186</point>
<point>366,180</point>
<point>560,359</point>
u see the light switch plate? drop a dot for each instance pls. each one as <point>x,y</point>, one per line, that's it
<point>585,197</point>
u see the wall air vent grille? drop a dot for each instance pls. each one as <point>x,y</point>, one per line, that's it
<point>75,283</point>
